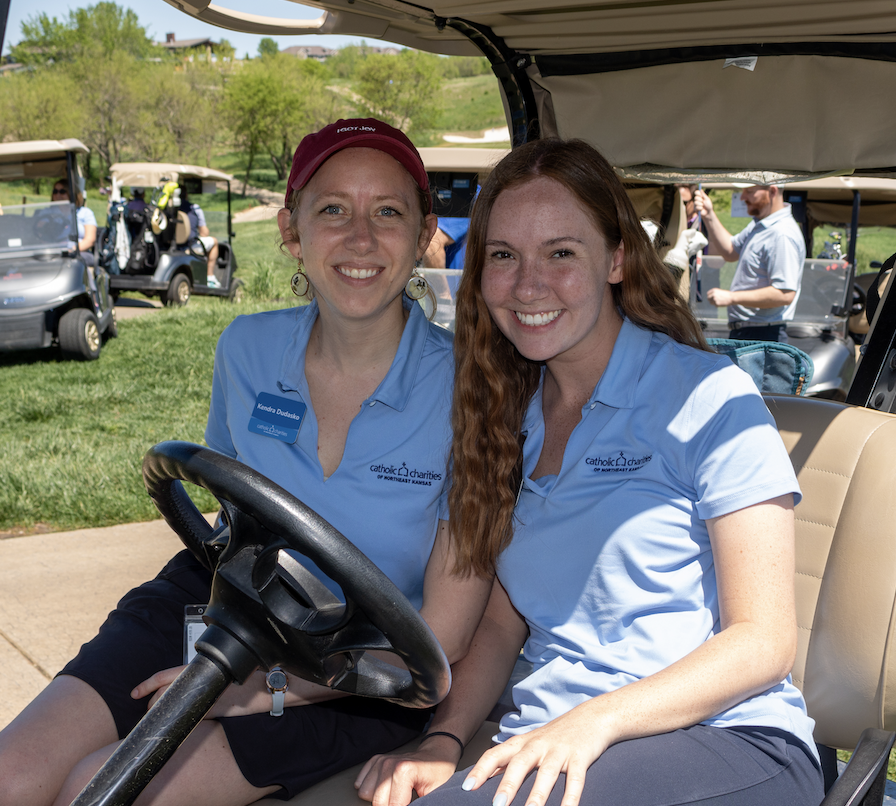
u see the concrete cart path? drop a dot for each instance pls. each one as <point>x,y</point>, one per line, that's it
<point>55,591</point>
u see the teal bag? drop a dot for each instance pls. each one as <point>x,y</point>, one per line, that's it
<point>775,367</point>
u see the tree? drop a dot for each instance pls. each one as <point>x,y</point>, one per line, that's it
<point>112,93</point>
<point>465,66</point>
<point>346,60</point>
<point>406,88</point>
<point>271,104</point>
<point>169,118</point>
<point>225,52</point>
<point>267,47</point>
<point>98,30</point>
<point>39,106</point>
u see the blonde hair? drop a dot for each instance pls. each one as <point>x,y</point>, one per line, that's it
<point>494,383</point>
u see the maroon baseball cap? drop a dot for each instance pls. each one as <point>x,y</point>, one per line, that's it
<point>354,133</point>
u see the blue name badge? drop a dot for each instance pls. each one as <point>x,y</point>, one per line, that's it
<point>277,417</point>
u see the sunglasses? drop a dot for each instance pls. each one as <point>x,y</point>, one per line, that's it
<point>60,191</point>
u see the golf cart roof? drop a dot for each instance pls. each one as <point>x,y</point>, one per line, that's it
<point>450,158</point>
<point>151,174</point>
<point>31,159</point>
<point>666,89</point>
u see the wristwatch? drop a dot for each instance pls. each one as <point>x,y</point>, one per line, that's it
<point>277,683</point>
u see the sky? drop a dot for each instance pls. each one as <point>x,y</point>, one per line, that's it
<point>159,18</point>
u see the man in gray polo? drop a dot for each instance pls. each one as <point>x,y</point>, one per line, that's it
<point>769,254</point>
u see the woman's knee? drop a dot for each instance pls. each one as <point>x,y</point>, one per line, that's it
<point>42,745</point>
<point>81,774</point>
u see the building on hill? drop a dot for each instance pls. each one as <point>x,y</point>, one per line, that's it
<point>322,53</point>
<point>310,52</point>
<point>189,48</point>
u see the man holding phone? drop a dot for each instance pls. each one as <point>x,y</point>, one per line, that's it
<point>770,253</point>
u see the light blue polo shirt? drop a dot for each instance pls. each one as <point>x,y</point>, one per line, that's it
<point>83,216</point>
<point>772,251</point>
<point>610,563</point>
<point>390,489</point>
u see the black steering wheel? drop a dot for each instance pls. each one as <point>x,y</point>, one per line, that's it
<point>267,609</point>
<point>265,600</point>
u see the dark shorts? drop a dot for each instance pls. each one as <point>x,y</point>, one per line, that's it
<point>697,765</point>
<point>761,333</point>
<point>145,633</point>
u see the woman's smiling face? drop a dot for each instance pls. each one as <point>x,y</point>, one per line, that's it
<point>360,232</point>
<point>548,273</point>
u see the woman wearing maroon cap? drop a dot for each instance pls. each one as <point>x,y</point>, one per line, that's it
<point>367,379</point>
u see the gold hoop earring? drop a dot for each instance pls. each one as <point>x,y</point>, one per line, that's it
<point>416,286</point>
<point>299,282</point>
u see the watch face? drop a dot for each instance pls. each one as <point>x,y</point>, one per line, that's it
<point>277,680</point>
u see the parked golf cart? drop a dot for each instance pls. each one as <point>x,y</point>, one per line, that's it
<point>829,322</point>
<point>48,294</point>
<point>673,92</point>
<point>150,244</point>
<point>455,173</point>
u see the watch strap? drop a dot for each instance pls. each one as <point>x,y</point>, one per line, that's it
<point>277,689</point>
<point>277,700</point>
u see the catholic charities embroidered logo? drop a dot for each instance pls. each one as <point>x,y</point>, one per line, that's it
<point>405,474</point>
<point>617,463</point>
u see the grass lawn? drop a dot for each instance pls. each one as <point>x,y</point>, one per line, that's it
<point>75,433</point>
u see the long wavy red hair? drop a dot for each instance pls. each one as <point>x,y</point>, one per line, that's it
<point>493,382</point>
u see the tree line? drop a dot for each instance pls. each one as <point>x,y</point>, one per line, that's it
<point>98,77</point>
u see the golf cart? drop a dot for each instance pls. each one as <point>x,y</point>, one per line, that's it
<point>680,92</point>
<point>455,173</point>
<point>151,245</point>
<point>48,293</point>
<point>829,322</point>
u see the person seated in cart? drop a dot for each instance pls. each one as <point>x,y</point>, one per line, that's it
<point>369,378</point>
<point>632,493</point>
<point>201,242</point>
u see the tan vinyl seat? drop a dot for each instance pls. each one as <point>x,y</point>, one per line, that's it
<point>183,231</point>
<point>845,458</point>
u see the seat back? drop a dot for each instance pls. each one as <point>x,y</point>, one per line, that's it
<point>183,230</point>
<point>845,459</point>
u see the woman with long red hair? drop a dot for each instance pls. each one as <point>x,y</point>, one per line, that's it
<point>632,493</point>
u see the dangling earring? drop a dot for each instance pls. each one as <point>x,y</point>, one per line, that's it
<point>417,286</point>
<point>299,282</point>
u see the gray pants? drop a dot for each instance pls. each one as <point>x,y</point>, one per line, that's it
<point>696,765</point>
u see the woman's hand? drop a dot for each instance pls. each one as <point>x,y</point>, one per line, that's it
<point>569,744</point>
<point>391,780</point>
<point>252,697</point>
<point>89,239</point>
<point>156,685</point>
